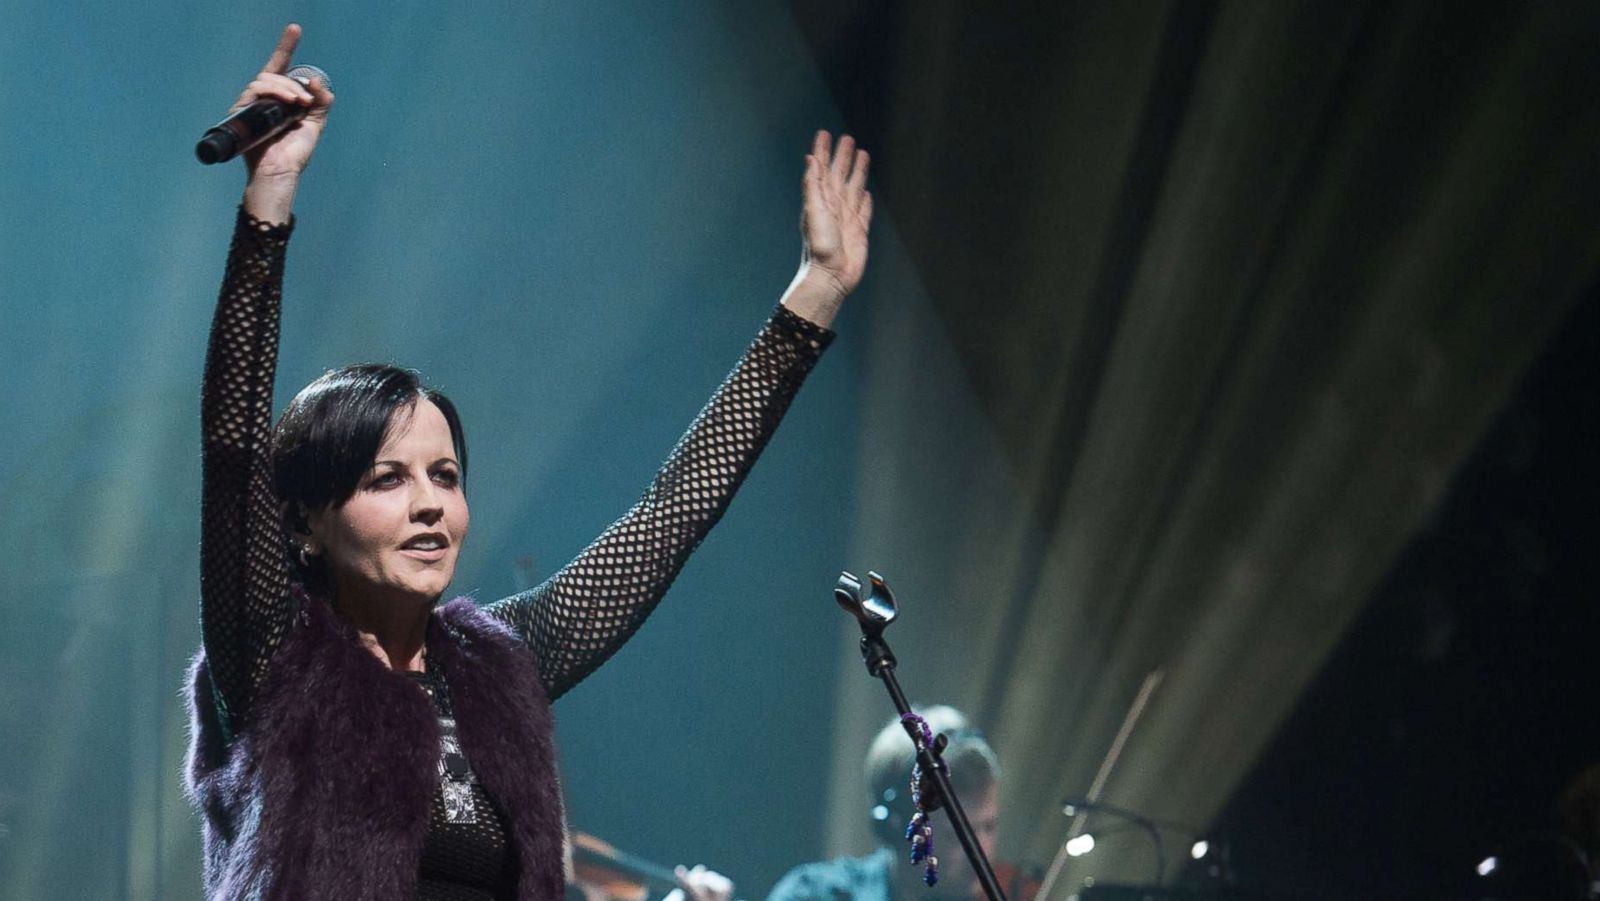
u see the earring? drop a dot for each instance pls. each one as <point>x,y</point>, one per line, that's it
<point>305,556</point>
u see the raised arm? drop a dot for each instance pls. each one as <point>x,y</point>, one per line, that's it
<point>579,617</point>
<point>244,606</point>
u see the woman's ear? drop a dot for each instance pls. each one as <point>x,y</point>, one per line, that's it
<point>297,519</point>
<point>301,527</point>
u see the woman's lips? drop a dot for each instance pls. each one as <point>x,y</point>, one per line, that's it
<point>427,547</point>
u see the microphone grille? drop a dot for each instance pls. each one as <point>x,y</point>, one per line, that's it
<point>305,74</point>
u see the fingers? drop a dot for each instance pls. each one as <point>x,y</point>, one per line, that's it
<point>814,186</point>
<point>278,62</point>
<point>277,87</point>
<point>844,169</point>
<point>318,86</point>
<point>857,185</point>
<point>858,173</point>
<point>836,208</point>
<point>839,168</point>
<point>321,95</point>
<point>285,88</point>
<point>816,177</point>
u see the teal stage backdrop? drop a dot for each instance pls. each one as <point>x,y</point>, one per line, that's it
<point>1180,322</point>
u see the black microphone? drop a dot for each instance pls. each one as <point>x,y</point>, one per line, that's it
<point>256,122</point>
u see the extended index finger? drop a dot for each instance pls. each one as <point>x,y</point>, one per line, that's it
<point>281,55</point>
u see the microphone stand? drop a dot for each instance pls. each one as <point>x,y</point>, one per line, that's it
<point>874,611</point>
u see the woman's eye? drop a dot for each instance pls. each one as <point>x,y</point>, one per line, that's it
<point>447,477</point>
<point>386,480</point>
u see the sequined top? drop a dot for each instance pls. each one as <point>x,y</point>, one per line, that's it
<point>574,621</point>
<point>465,856</point>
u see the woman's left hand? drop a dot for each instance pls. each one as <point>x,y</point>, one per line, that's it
<point>834,222</point>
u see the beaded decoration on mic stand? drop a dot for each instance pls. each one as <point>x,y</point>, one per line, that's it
<point>919,832</point>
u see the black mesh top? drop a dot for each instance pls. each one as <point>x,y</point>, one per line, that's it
<point>575,620</point>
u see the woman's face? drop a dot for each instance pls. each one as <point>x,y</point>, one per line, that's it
<point>401,532</point>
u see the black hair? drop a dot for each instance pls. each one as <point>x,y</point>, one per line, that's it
<point>329,435</point>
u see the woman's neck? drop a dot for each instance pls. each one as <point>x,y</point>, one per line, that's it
<point>392,628</point>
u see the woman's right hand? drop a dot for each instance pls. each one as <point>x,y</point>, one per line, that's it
<point>275,164</point>
<point>287,153</point>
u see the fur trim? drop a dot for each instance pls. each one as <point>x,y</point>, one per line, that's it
<point>325,792</point>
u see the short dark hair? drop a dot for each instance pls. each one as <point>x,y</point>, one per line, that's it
<point>331,432</point>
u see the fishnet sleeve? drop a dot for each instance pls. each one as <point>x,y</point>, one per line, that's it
<point>581,615</point>
<point>244,605</point>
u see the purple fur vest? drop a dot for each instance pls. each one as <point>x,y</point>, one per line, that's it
<point>325,791</point>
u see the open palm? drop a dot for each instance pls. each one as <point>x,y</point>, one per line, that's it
<point>837,211</point>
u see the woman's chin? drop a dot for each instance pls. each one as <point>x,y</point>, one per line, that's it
<point>431,590</point>
<point>416,591</point>
<point>429,584</point>
<point>399,586</point>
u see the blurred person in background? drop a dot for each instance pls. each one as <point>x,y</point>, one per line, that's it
<point>886,873</point>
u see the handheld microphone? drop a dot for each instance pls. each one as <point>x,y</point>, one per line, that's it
<point>255,122</point>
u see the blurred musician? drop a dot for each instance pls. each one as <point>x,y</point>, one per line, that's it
<point>885,874</point>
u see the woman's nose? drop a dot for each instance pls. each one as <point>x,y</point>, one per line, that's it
<point>426,505</point>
